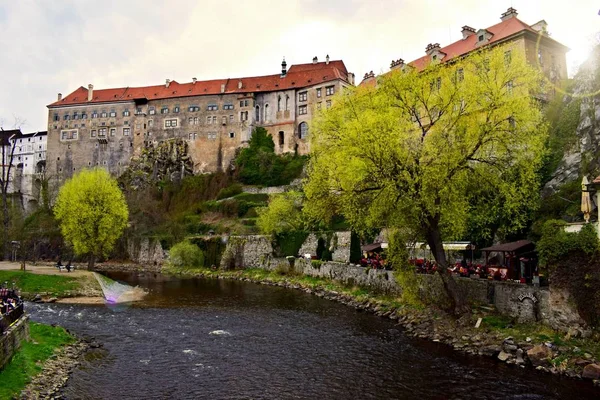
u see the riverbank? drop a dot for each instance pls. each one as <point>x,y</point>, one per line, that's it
<point>48,283</point>
<point>522,345</point>
<point>41,366</point>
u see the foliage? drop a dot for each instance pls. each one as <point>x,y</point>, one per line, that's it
<point>92,212</point>
<point>284,214</point>
<point>229,191</point>
<point>289,243</point>
<point>28,282</point>
<point>212,248</point>
<point>259,165</point>
<point>316,263</point>
<point>556,245</point>
<point>410,152</point>
<point>355,251</point>
<point>186,254</point>
<point>28,361</point>
<point>404,272</point>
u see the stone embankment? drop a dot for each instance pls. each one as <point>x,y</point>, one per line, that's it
<point>434,324</point>
<point>56,371</point>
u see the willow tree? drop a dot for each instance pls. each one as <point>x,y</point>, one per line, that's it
<point>409,153</point>
<point>92,213</point>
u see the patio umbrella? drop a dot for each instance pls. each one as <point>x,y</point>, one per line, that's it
<point>586,201</point>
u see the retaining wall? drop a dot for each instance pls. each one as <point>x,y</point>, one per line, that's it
<point>11,340</point>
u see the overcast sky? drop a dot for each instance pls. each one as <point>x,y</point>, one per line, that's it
<point>56,46</point>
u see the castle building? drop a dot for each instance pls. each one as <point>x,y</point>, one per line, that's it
<point>25,153</point>
<point>541,50</point>
<point>108,127</point>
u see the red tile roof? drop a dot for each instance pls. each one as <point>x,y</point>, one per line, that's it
<point>500,31</point>
<point>298,76</point>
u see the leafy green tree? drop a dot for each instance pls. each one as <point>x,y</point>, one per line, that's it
<point>92,213</point>
<point>283,215</point>
<point>410,152</point>
<point>186,254</point>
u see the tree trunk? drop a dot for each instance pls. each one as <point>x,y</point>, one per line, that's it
<point>91,262</point>
<point>455,293</point>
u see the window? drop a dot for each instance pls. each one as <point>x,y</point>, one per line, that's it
<point>196,120</point>
<point>319,105</point>
<point>151,110</point>
<point>75,115</point>
<point>480,38</point>
<point>507,57</point>
<point>102,132</point>
<point>460,74</point>
<point>113,131</point>
<point>164,110</point>
<point>328,104</point>
<point>329,90</point>
<point>193,108</point>
<point>287,102</point>
<point>243,103</point>
<point>303,96</point>
<point>83,115</point>
<point>224,120</point>
<point>170,123</point>
<point>228,107</point>
<point>302,110</point>
<point>192,136</point>
<point>318,92</point>
<point>66,117</point>
<point>93,133</point>
<point>434,57</point>
<point>266,117</point>
<point>281,138</point>
<point>138,110</point>
<point>113,113</point>
<point>540,58</point>
<point>150,123</point>
<point>214,119</point>
<point>212,135</point>
<point>279,103</point>
<point>176,109</point>
<point>69,134</point>
<point>257,114</point>
<point>94,114</point>
<point>209,119</point>
<point>212,107</point>
<point>244,116</point>
<point>126,131</point>
<point>231,119</point>
<point>303,130</point>
<point>56,117</point>
<point>231,135</point>
<point>126,113</point>
<point>511,122</point>
<point>438,83</point>
<point>125,122</point>
<point>103,114</point>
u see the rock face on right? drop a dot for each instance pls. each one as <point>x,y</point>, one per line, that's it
<point>539,355</point>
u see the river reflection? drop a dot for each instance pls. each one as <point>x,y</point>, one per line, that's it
<point>276,344</point>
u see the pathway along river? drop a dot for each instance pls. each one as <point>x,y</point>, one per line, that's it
<point>211,339</point>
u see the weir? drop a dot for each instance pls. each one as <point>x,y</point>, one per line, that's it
<point>115,292</point>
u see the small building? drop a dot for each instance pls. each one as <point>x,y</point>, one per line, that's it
<point>514,260</point>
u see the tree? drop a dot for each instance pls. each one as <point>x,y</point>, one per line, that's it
<point>283,215</point>
<point>92,213</point>
<point>410,153</point>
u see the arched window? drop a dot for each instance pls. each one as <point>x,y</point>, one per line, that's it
<point>257,116</point>
<point>279,103</point>
<point>287,102</point>
<point>281,138</point>
<point>303,130</point>
<point>266,118</point>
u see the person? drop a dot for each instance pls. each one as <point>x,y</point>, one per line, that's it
<point>59,265</point>
<point>68,267</point>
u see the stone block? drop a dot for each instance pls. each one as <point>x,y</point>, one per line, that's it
<point>591,371</point>
<point>539,355</point>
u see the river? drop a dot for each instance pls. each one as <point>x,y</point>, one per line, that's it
<point>213,339</point>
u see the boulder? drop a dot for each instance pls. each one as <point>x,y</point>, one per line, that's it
<point>539,355</point>
<point>503,356</point>
<point>591,371</point>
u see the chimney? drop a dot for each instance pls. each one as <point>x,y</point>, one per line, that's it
<point>540,26</point>
<point>327,59</point>
<point>315,60</point>
<point>90,92</point>
<point>369,75</point>
<point>240,84</point>
<point>194,80</point>
<point>222,88</point>
<point>467,31</point>
<point>432,48</point>
<point>59,97</point>
<point>511,12</point>
<point>167,82</point>
<point>399,63</point>
<point>283,68</point>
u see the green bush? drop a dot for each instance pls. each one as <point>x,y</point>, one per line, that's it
<point>229,191</point>
<point>556,244</point>
<point>289,243</point>
<point>186,254</point>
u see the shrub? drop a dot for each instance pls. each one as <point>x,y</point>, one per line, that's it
<point>556,244</point>
<point>229,191</point>
<point>186,254</point>
<point>316,263</point>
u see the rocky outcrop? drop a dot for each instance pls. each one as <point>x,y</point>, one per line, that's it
<point>540,356</point>
<point>145,251</point>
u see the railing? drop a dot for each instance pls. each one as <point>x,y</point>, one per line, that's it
<point>11,317</point>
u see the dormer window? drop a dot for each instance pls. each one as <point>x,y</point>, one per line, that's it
<point>480,38</point>
<point>483,37</point>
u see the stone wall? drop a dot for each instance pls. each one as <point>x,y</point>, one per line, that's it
<point>146,251</point>
<point>11,340</point>
<point>339,245</point>
<point>251,251</point>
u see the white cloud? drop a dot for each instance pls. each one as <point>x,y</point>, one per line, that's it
<point>51,47</point>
